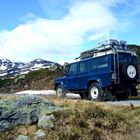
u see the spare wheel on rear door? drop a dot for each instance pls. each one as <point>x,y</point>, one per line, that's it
<point>129,71</point>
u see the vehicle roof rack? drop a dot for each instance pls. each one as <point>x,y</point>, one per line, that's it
<point>87,54</point>
<point>103,46</point>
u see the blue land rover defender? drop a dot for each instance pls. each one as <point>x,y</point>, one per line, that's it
<point>109,71</point>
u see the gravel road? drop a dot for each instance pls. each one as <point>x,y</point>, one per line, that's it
<point>127,102</point>
<point>134,102</point>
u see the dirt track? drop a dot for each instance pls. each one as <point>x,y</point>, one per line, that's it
<point>134,102</point>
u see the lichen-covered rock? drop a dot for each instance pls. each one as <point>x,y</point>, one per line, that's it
<point>46,122</point>
<point>6,125</point>
<point>24,110</point>
<point>22,137</point>
<point>29,100</point>
<point>39,134</point>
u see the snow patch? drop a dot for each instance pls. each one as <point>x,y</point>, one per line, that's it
<point>46,92</point>
<point>38,92</point>
<point>2,67</point>
<point>37,66</point>
<point>24,72</point>
<point>3,74</point>
<point>13,64</point>
<point>11,72</point>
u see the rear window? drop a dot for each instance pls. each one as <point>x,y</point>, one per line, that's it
<point>124,57</point>
<point>127,57</point>
<point>100,62</point>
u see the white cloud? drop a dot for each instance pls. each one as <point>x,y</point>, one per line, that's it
<point>58,40</point>
<point>28,17</point>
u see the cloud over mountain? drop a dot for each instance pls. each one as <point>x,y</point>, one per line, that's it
<point>60,39</point>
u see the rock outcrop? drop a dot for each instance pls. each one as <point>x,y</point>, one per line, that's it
<point>26,110</point>
<point>46,122</point>
<point>39,134</point>
<point>22,137</point>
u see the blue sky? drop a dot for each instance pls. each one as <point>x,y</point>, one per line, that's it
<point>59,30</point>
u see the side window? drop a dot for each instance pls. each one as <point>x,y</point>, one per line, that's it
<point>94,64</point>
<point>82,67</point>
<point>103,62</point>
<point>73,68</point>
<point>100,62</point>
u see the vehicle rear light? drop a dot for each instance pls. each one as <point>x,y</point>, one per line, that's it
<point>113,76</point>
<point>113,82</point>
<point>138,81</point>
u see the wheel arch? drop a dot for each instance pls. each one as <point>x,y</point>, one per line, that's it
<point>56,84</point>
<point>95,91</point>
<point>94,81</point>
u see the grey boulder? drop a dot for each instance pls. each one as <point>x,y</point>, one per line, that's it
<point>25,110</point>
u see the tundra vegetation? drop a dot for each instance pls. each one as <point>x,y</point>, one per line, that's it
<point>36,80</point>
<point>81,119</point>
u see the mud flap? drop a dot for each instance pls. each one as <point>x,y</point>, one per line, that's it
<point>134,91</point>
<point>108,95</point>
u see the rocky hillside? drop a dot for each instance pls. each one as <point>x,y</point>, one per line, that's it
<point>12,69</point>
<point>36,80</point>
<point>136,48</point>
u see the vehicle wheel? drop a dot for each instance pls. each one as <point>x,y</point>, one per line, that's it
<point>126,96</point>
<point>129,71</point>
<point>122,96</point>
<point>95,92</point>
<point>59,91</point>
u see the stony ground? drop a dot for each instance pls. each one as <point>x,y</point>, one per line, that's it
<point>131,101</point>
<point>80,120</point>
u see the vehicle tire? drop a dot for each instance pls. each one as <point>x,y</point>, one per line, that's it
<point>59,91</point>
<point>95,92</point>
<point>129,71</point>
<point>126,95</point>
<point>122,96</point>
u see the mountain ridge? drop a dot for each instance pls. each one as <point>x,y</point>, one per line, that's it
<point>10,68</point>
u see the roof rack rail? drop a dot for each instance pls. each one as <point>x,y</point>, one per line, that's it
<point>104,46</point>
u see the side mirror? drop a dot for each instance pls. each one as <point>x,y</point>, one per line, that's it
<point>65,68</point>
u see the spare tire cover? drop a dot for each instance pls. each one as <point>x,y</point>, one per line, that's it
<point>129,71</point>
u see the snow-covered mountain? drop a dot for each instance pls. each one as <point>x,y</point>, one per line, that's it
<point>11,69</point>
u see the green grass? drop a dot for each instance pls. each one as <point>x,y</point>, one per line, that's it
<point>87,120</point>
<point>93,120</point>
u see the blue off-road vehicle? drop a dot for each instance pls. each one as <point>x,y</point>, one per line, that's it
<point>109,71</point>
